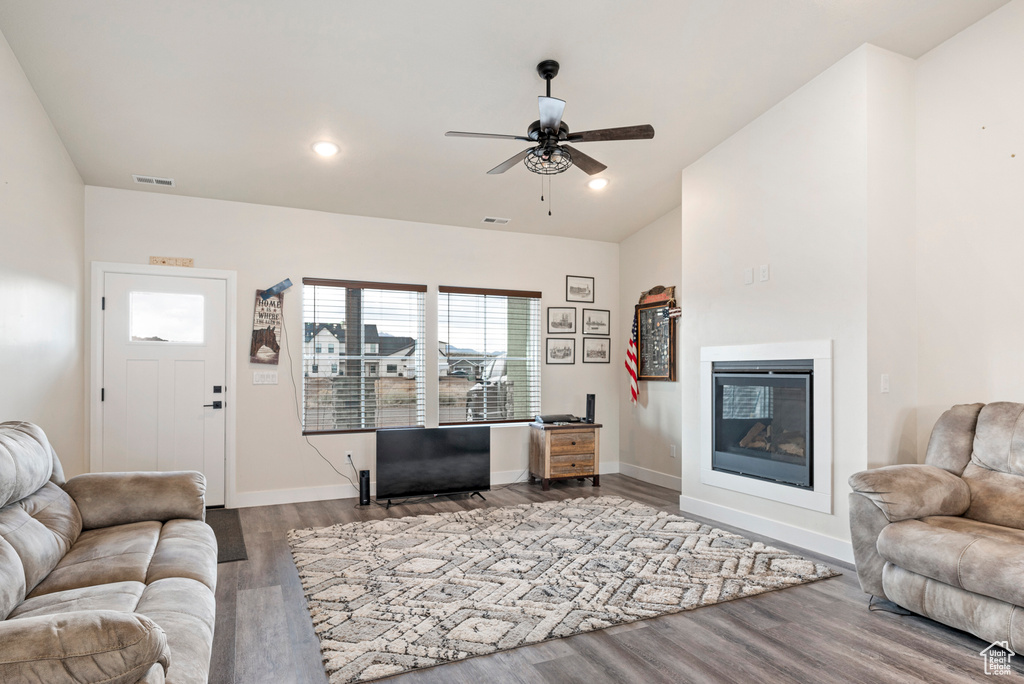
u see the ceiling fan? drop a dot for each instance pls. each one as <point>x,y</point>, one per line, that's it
<point>550,136</point>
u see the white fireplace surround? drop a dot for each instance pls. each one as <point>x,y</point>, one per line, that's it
<point>818,499</point>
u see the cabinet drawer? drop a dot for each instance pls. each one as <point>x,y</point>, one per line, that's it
<point>572,468</point>
<point>572,442</point>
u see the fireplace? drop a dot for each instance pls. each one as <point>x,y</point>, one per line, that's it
<point>763,420</point>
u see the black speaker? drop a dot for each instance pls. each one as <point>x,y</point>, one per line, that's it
<point>364,487</point>
<point>590,408</point>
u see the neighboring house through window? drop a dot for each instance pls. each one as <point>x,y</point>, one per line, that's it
<point>381,320</point>
<point>489,363</point>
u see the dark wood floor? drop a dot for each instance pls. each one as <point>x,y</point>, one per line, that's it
<point>818,632</point>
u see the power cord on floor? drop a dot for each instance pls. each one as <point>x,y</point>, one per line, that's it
<point>298,411</point>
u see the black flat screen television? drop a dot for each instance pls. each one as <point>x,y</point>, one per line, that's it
<point>433,461</point>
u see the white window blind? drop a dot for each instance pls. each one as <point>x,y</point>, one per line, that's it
<point>366,328</point>
<point>489,361</point>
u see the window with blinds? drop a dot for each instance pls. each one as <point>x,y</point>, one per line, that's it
<point>363,355</point>
<point>489,361</point>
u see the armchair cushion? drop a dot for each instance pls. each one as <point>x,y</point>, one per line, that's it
<point>107,499</point>
<point>904,492</point>
<point>975,556</point>
<point>85,646</point>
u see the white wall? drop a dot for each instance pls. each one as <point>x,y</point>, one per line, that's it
<point>892,305</point>
<point>970,216</point>
<point>266,244</point>
<point>41,270</point>
<point>648,430</point>
<point>788,190</point>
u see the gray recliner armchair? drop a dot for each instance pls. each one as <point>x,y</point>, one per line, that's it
<point>945,539</point>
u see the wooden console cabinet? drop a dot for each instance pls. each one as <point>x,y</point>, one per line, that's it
<point>560,452</point>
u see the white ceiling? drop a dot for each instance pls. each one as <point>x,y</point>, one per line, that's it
<point>226,97</point>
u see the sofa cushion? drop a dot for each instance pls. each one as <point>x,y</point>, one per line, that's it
<point>185,609</point>
<point>120,596</point>
<point>110,554</point>
<point>999,438</point>
<point>26,462</point>
<point>996,497</point>
<point>952,439</point>
<point>975,556</point>
<point>40,528</point>
<point>186,548</point>
<point>90,646</point>
<point>12,579</point>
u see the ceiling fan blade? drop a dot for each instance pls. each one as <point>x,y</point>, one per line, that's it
<point>551,109</point>
<point>510,162</point>
<point>645,132</point>
<point>499,136</point>
<point>587,164</point>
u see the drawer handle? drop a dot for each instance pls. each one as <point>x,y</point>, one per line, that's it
<point>573,465</point>
<point>574,443</point>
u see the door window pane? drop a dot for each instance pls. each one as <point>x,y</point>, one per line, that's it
<point>166,317</point>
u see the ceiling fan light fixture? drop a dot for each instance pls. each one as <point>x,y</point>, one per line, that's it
<point>598,184</point>
<point>548,161</point>
<point>325,148</point>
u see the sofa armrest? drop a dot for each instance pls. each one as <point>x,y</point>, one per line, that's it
<point>905,492</point>
<point>106,499</point>
<point>79,647</point>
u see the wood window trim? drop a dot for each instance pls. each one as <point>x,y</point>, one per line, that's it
<point>451,289</point>
<point>363,285</point>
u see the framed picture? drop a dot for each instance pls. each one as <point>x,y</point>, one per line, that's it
<point>561,320</point>
<point>655,342</point>
<point>561,350</point>
<point>597,350</point>
<point>596,322</point>
<point>579,289</point>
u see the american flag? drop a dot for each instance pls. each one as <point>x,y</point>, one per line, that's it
<point>631,362</point>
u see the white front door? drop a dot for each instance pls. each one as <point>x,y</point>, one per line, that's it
<point>163,388</point>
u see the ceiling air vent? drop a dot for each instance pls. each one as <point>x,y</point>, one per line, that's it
<point>494,220</point>
<point>153,180</point>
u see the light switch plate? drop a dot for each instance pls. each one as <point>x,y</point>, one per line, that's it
<point>764,272</point>
<point>885,383</point>
<point>264,377</point>
<point>748,276</point>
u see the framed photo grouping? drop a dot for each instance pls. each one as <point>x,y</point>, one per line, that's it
<point>597,350</point>
<point>579,289</point>
<point>561,320</point>
<point>560,350</point>
<point>596,322</point>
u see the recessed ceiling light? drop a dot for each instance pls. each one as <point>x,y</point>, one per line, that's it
<point>325,149</point>
<point>598,184</point>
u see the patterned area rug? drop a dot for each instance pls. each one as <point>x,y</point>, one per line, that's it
<point>402,593</point>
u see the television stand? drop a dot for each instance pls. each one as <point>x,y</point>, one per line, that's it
<point>435,496</point>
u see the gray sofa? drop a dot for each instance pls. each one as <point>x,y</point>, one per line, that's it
<point>945,539</point>
<point>108,577</point>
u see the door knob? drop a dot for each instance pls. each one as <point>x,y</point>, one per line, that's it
<point>216,405</point>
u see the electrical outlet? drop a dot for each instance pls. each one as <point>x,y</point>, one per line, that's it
<point>764,272</point>
<point>748,276</point>
<point>264,377</point>
<point>885,383</point>
<point>348,455</point>
<point>672,451</point>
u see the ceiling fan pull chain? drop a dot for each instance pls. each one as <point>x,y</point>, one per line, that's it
<point>550,198</point>
<point>542,188</point>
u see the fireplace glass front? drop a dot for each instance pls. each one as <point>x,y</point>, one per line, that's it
<point>762,420</point>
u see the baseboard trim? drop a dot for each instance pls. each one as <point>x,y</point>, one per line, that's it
<point>651,476</point>
<point>271,497</point>
<point>798,536</point>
